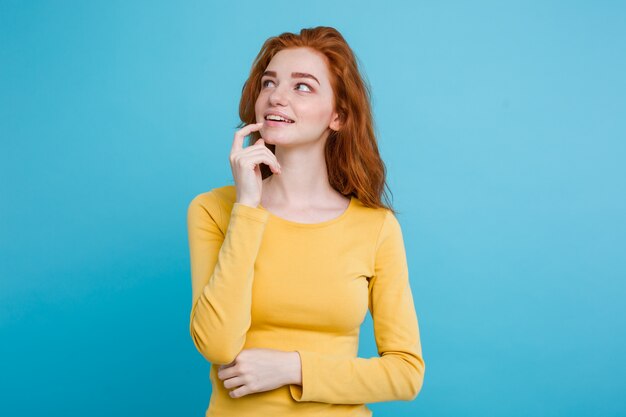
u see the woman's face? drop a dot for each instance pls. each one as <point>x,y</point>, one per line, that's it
<point>296,85</point>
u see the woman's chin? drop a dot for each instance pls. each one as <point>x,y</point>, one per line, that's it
<point>281,138</point>
<point>273,139</point>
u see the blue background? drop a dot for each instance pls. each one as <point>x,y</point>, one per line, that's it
<point>502,127</point>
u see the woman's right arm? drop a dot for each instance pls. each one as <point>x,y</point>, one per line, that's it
<point>222,263</point>
<point>222,270</point>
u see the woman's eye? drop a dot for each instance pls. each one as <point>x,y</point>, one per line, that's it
<point>307,87</point>
<point>265,83</point>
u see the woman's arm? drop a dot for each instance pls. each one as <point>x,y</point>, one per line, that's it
<point>398,373</point>
<point>222,269</point>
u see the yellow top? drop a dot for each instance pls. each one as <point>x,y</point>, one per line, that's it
<point>261,281</point>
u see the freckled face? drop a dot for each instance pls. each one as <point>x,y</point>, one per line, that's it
<point>307,101</point>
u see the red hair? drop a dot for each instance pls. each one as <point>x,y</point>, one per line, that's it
<point>352,159</point>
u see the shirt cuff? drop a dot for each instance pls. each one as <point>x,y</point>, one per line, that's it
<point>253,213</point>
<point>304,392</point>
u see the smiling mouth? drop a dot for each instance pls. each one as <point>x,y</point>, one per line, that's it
<point>279,119</point>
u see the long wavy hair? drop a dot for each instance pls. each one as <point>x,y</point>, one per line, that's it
<point>353,161</point>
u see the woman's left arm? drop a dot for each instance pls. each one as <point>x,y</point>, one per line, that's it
<point>398,373</point>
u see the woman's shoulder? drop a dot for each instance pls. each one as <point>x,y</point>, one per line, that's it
<point>375,218</point>
<point>374,212</point>
<point>216,202</point>
<point>224,195</point>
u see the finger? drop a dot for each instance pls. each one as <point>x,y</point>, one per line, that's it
<point>226,374</point>
<point>255,158</point>
<point>227,365</point>
<point>239,392</point>
<point>234,382</point>
<point>242,133</point>
<point>262,151</point>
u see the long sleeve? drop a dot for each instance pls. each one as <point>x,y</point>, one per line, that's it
<point>222,269</point>
<point>398,372</point>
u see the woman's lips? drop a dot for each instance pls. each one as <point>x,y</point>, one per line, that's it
<point>275,123</point>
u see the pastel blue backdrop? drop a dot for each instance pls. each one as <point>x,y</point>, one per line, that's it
<point>502,127</point>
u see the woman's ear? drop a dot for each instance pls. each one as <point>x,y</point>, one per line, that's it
<point>337,122</point>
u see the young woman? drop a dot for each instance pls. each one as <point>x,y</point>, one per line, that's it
<point>286,262</point>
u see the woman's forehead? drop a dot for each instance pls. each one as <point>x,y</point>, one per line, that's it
<point>298,60</point>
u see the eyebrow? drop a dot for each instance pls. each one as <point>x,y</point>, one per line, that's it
<point>293,75</point>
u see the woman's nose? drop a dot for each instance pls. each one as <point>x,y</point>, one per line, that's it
<point>277,97</point>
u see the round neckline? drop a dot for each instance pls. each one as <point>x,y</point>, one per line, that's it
<point>312,225</point>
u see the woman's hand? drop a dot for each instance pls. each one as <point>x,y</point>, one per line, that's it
<point>244,163</point>
<point>257,370</point>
